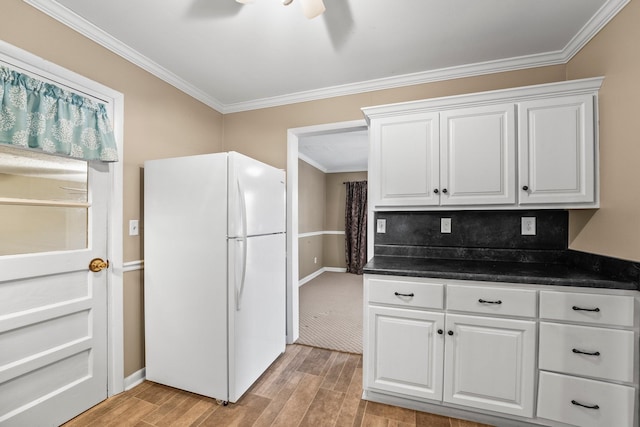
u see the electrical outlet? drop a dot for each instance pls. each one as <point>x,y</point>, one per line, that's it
<point>528,226</point>
<point>315,259</point>
<point>445,225</point>
<point>381,226</point>
<point>133,227</point>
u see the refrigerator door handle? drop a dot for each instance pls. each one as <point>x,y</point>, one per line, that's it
<point>243,239</point>
<point>243,264</point>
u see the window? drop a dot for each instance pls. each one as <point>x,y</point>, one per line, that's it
<point>44,204</point>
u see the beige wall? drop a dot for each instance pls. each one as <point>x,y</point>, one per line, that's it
<point>161,121</point>
<point>311,198</point>
<point>321,202</point>
<point>614,229</point>
<point>311,210</point>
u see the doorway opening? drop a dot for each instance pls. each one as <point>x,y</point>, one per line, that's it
<point>297,138</point>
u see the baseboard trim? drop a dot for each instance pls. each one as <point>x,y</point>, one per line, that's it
<point>319,272</point>
<point>135,379</point>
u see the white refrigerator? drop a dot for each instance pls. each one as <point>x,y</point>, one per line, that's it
<point>214,272</point>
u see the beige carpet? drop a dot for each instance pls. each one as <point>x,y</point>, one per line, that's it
<point>331,312</point>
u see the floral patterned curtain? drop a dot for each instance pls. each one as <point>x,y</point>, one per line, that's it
<point>356,226</point>
<point>45,117</point>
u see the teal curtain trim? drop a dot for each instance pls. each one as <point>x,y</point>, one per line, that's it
<point>43,116</point>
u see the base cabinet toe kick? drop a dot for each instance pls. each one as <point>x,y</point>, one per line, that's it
<point>501,353</point>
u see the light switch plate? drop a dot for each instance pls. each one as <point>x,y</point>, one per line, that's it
<point>381,226</point>
<point>133,227</point>
<point>445,225</point>
<point>528,226</point>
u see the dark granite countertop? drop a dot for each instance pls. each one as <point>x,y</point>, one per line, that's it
<point>495,271</point>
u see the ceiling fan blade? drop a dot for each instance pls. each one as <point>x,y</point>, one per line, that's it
<point>312,8</point>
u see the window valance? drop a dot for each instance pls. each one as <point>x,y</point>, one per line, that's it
<point>42,116</point>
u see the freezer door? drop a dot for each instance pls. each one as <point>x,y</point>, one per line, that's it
<point>256,308</point>
<point>257,198</point>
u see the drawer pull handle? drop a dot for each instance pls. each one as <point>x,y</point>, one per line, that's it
<point>398,294</point>
<point>484,301</point>
<point>576,308</point>
<point>595,353</point>
<point>585,406</point>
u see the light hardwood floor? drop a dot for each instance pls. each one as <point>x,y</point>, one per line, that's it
<point>306,386</point>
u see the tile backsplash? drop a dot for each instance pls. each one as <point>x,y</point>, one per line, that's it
<point>475,229</point>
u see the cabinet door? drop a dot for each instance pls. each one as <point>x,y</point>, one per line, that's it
<point>477,152</point>
<point>557,151</point>
<point>490,363</point>
<point>403,352</point>
<point>404,160</point>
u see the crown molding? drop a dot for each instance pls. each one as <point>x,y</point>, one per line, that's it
<point>593,26</point>
<point>79,24</point>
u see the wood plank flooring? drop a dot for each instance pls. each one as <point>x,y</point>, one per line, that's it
<point>306,386</point>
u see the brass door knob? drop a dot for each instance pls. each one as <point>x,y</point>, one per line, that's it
<point>98,264</point>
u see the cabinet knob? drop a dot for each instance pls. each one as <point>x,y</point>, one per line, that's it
<point>525,188</point>
<point>450,332</point>
<point>436,191</point>
<point>440,331</point>
<point>444,190</point>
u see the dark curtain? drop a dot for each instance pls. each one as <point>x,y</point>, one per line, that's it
<point>356,226</point>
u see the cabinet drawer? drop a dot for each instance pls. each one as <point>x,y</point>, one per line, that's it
<point>560,397</point>
<point>490,300</point>
<point>406,292</point>
<point>589,308</point>
<point>610,352</point>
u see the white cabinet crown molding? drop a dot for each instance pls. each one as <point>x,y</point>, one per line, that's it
<point>517,94</point>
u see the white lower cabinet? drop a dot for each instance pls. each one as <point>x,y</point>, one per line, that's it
<point>406,351</point>
<point>490,363</point>
<point>415,348</point>
<point>588,359</point>
<point>486,348</point>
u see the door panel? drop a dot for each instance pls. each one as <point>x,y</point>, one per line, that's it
<point>477,155</point>
<point>490,363</point>
<point>257,324</point>
<point>406,352</point>
<point>53,323</point>
<point>253,187</point>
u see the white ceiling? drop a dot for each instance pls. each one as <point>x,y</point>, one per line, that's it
<point>236,57</point>
<point>336,152</point>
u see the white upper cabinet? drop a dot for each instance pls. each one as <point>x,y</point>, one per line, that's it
<point>528,147</point>
<point>406,156</point>
<point>557,151</point>
<point>477,155</point>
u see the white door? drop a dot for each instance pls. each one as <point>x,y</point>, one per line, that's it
<point>257,197</point>
<point>406,352</point>
<point>404,161</point>
<point>53,317</point>
<point>557,150</point>
<point>257,301</point>
<point>490,363</point>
